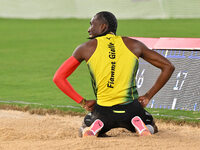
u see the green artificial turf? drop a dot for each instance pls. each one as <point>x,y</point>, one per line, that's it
<point>32,50</point>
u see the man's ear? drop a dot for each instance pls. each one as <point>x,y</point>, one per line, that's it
<point>104,27</point>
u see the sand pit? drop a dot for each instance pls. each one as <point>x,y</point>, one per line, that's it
<point>22,131</point>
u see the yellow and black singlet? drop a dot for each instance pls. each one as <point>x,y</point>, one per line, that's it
<point>113,68</point>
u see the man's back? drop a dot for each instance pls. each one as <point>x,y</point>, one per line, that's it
<point>113,63</point>
<point>113,68</point>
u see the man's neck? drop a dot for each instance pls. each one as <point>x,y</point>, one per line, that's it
<point>103,34</point>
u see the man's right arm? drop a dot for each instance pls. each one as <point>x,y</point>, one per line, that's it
<point>65,70</point>
<point>84,52</point>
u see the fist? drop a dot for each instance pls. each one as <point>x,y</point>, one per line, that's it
<point>89,105</point>
<point>143,101</point>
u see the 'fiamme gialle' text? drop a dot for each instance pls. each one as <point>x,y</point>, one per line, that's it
<point>112,56</point>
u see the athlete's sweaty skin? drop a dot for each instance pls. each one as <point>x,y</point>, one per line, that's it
<point>85,51</point>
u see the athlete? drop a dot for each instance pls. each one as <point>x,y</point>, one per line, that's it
<point>113,62</point>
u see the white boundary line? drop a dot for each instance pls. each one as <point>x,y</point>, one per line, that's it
<point>22,102</point>
<point>180,117</point>
<point>74,107</point>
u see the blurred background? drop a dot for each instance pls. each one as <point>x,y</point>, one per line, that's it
<point>37,36</point>
<point>123,9</point>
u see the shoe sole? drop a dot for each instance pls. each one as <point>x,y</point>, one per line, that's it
<point>96,126</point>
<point>140,127</point>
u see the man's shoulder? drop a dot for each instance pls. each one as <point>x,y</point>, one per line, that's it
<point>129,39</point>
<point>87,47</point>
<point>84,51</point>
<point>130,42</point>
<point>133,45</point>
<point>89,44</point>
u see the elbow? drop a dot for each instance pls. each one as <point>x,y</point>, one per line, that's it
<point>168,68</point>
<point>56,79</point>
<point>171,67</point>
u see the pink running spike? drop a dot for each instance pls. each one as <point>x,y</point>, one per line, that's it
<point>140,126</point>
<point>96,126</point>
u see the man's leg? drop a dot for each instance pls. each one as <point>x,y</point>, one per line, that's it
<point>87,122</point>
<point>150,123</point>
<point>140,127</point>
<point>144,120</point>
<point>93,123</point>
<point>94,129</point>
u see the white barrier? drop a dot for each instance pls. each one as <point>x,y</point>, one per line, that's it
<point>123,9</point>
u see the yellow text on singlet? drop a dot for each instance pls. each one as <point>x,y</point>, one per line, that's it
<point>113,69</point>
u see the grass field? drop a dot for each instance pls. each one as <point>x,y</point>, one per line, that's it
<point>32,50</point>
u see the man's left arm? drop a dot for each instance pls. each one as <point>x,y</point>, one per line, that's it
<point>160,62</point>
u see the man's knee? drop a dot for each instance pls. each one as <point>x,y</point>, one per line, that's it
<point>152,128</point>
<point>88,119</point>
<point>94,129</point>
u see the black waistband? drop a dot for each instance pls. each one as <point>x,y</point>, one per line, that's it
<point>119,106</point>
